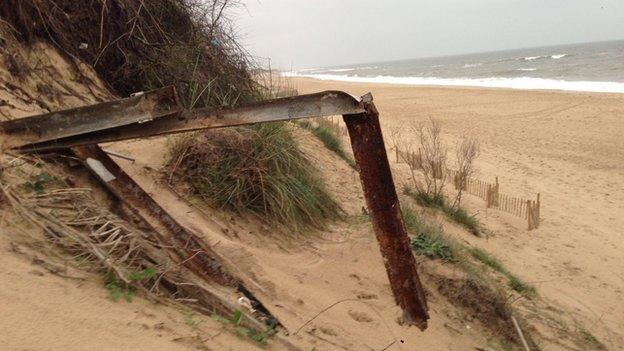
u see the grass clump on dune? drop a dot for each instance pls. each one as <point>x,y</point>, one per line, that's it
<point>428,239</point>
<point>455,213</point>
<point>514,282</point>
<point>258,169</point>
<point>329,138</point>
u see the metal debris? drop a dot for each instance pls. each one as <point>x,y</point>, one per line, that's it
<point>385,211</point>
<point>158,112</point>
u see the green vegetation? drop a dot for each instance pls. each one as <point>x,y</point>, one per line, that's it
<point>456,214</point>
<point>329,138</point>
<point>459,215</point>
<point>259,337</point>
<point>38,182</point>
<point>140,45</point>
<point>514,282</point>
<point>257,169</point>
<point>117,288</point>
<point>432,247</point>
<point>591,340</point>
<point>428,238</point>
<point>189,319</point>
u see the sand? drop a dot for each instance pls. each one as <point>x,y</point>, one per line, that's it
<point>46,302</point>
<point>567,146</point>
<point>534,142</point>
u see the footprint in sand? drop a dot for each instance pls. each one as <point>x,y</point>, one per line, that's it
<point>360,316</point>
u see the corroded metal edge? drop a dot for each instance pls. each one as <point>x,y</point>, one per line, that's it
<point>139,108</point>
<point>327,103</point>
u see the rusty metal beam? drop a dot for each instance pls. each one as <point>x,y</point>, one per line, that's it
<point>328,103</point>
<point>387,219</point>
<point>182,244</point>
<point>137,109</point>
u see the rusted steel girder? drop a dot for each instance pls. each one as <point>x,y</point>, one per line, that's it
<point>362,121</point>
<point>137,109</point>
<point>381,199</point>
<point>327,103</point>
<point>189,250</point>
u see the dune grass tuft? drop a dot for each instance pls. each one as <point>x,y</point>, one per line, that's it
<point>258,169</point>
<point>329,138</point>
<point>592,342</point>
<point>459,215</point>
<point>456,214</point>
<point>428,239</point>
<point>514,282</point>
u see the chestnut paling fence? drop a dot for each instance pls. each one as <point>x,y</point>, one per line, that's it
<point>490,192</point>
<point>527,209</point>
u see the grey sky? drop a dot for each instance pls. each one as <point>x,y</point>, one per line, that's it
<point>313,33</point>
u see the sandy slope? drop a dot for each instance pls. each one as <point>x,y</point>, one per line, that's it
<point>567,146</point>
<point>300,278</point>
<point>45,304</point>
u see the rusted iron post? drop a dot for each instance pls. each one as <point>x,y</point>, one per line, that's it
<point>387,219</point>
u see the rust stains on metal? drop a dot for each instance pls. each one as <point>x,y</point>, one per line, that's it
<point>328,103</point>
<point>387,219</point>
<point>140,108</point>
<point>198,257</point>
<point>182,245</point>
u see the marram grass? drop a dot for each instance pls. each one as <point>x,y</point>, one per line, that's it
<point>257,169</point>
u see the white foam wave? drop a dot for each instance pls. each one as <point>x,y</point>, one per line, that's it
<point>556,57</point>
<point>531,58</point>
<point>341,70</point>
<point>470,65</point>
<point>526,83</point>
<point>527,69</point>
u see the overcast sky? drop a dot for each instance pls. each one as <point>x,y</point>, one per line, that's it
<point>314,33</point>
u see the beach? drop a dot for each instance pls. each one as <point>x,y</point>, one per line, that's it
<point>567,146</point>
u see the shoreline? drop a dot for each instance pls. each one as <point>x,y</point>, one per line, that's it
<point>370,80</point>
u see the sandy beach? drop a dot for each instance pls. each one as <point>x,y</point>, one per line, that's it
<point>566,146</point>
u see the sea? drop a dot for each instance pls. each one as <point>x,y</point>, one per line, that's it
<point>593,67</point>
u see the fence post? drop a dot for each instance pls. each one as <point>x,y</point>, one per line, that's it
<point>496,198</point>
<point>396,149</point>
<point>487,196</point>
<point>537,217</point>
<point>529,216</point>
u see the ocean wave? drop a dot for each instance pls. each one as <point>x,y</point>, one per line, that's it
<point>341,70</point>
<point>527,69</point>
<point>531,58</point>
<point>526,83</point>
<point>470,65</point>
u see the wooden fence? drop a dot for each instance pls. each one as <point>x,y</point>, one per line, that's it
<point>489,192</point>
